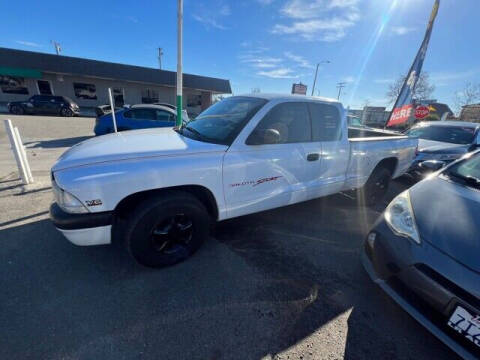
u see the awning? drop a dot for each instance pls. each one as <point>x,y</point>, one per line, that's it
<point>26,73</point>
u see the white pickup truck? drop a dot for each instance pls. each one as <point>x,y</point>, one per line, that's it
<point>158,190</point>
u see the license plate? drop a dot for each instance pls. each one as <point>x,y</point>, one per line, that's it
<point>466,323</point>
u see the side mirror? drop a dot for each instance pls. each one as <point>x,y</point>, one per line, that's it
<point>263,137</point>
<point>432,165</point>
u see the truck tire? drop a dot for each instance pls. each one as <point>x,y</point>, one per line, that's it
<point>376,187</point>
<point>167,229</point>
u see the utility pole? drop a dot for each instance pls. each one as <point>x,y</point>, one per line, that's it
<point>58,49</point>
<point>179,61</point>
<point>316,72</point>
<point>160,53</point>
<point>340,87</point>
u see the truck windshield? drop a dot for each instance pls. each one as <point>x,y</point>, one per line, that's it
<point>466,172</point>
<point>450,134</point>
<point>223,121</point>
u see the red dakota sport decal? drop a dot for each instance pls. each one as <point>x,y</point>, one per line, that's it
<point>256,182</point>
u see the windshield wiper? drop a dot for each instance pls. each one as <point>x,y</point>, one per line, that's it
<point>469,180</point>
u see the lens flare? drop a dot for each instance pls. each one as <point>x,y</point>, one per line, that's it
<point>372,44</point>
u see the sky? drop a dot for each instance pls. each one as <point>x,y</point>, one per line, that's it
<point>264,44</point>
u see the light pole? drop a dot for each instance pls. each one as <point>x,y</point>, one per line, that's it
<point>316,72</point>
<point>340,87</point>
<point>179,61</point>
<point>160,53</point>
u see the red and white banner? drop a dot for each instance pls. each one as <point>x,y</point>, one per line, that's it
<point>400,115</point>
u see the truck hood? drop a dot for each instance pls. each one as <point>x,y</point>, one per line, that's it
<point>133,144</point>
<point>447,217</point>
<point>438,147</point>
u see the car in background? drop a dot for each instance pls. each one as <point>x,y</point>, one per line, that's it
<point>444,141</point>
<point>45,105</point>
<point>141,116</point>
<point>424,252</point>
<point>173,107</point>
<point>101,110</point>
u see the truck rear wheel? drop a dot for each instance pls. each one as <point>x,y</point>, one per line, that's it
<point>376,187</point>
<point>167,229</point>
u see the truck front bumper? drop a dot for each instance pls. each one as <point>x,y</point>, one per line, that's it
<point>83,229</point>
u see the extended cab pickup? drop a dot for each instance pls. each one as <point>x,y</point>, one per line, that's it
<point>158,190</point>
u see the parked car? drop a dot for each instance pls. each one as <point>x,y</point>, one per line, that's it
<point>140,116</point>
<point>242,155</point>
<point>443,141</point>
<point>424,252</point>
<point>173,107</point>
<point>101,110</point>
<point>45,105</point>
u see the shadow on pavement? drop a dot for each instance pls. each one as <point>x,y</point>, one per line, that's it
<point>56,143</point>
<point>263,284</point>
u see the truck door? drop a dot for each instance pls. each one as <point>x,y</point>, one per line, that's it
<point>262,171</point>
<point>328,175</point>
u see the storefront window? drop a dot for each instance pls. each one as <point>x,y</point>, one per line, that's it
<point>149,96</point>
<point>85,91</point>
<point>13,85</point>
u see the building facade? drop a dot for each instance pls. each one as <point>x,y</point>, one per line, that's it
<point>375,116</point>
<point>85,81</point>
<point>470,113</point>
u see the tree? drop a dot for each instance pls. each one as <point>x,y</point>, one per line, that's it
<point>423,90</point>
<point>468,95</point>
<point>256,90</point>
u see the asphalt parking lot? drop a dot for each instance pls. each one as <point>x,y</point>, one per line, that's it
<point>282,284</point>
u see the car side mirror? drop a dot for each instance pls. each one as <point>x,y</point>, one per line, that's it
<point>263,137</point>
<point>432,165</point>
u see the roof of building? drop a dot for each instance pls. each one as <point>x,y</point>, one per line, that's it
<point>86,67</point>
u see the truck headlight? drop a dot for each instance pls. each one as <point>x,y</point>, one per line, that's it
<point>400,218</point>
<point>67,201</point>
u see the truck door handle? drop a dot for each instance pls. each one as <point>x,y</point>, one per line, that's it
<point>313,157</point>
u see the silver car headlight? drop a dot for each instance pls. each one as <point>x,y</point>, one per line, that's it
<point>400,217</point>
<point>67,201</point>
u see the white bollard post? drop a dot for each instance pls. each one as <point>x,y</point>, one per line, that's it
<point>112,106</point>
<point>16,151</point>
<point>23,153</point>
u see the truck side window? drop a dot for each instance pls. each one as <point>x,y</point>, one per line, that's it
<point>291,120</point>
<point>326,122</point>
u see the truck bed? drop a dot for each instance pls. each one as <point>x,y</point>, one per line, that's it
<point>369,146</point>
<point>360,134</point>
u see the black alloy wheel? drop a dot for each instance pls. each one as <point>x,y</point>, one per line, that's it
<point>173,232</point>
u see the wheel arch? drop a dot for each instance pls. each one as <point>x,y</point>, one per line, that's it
<point>203,194</point>
<point>390,164</point>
